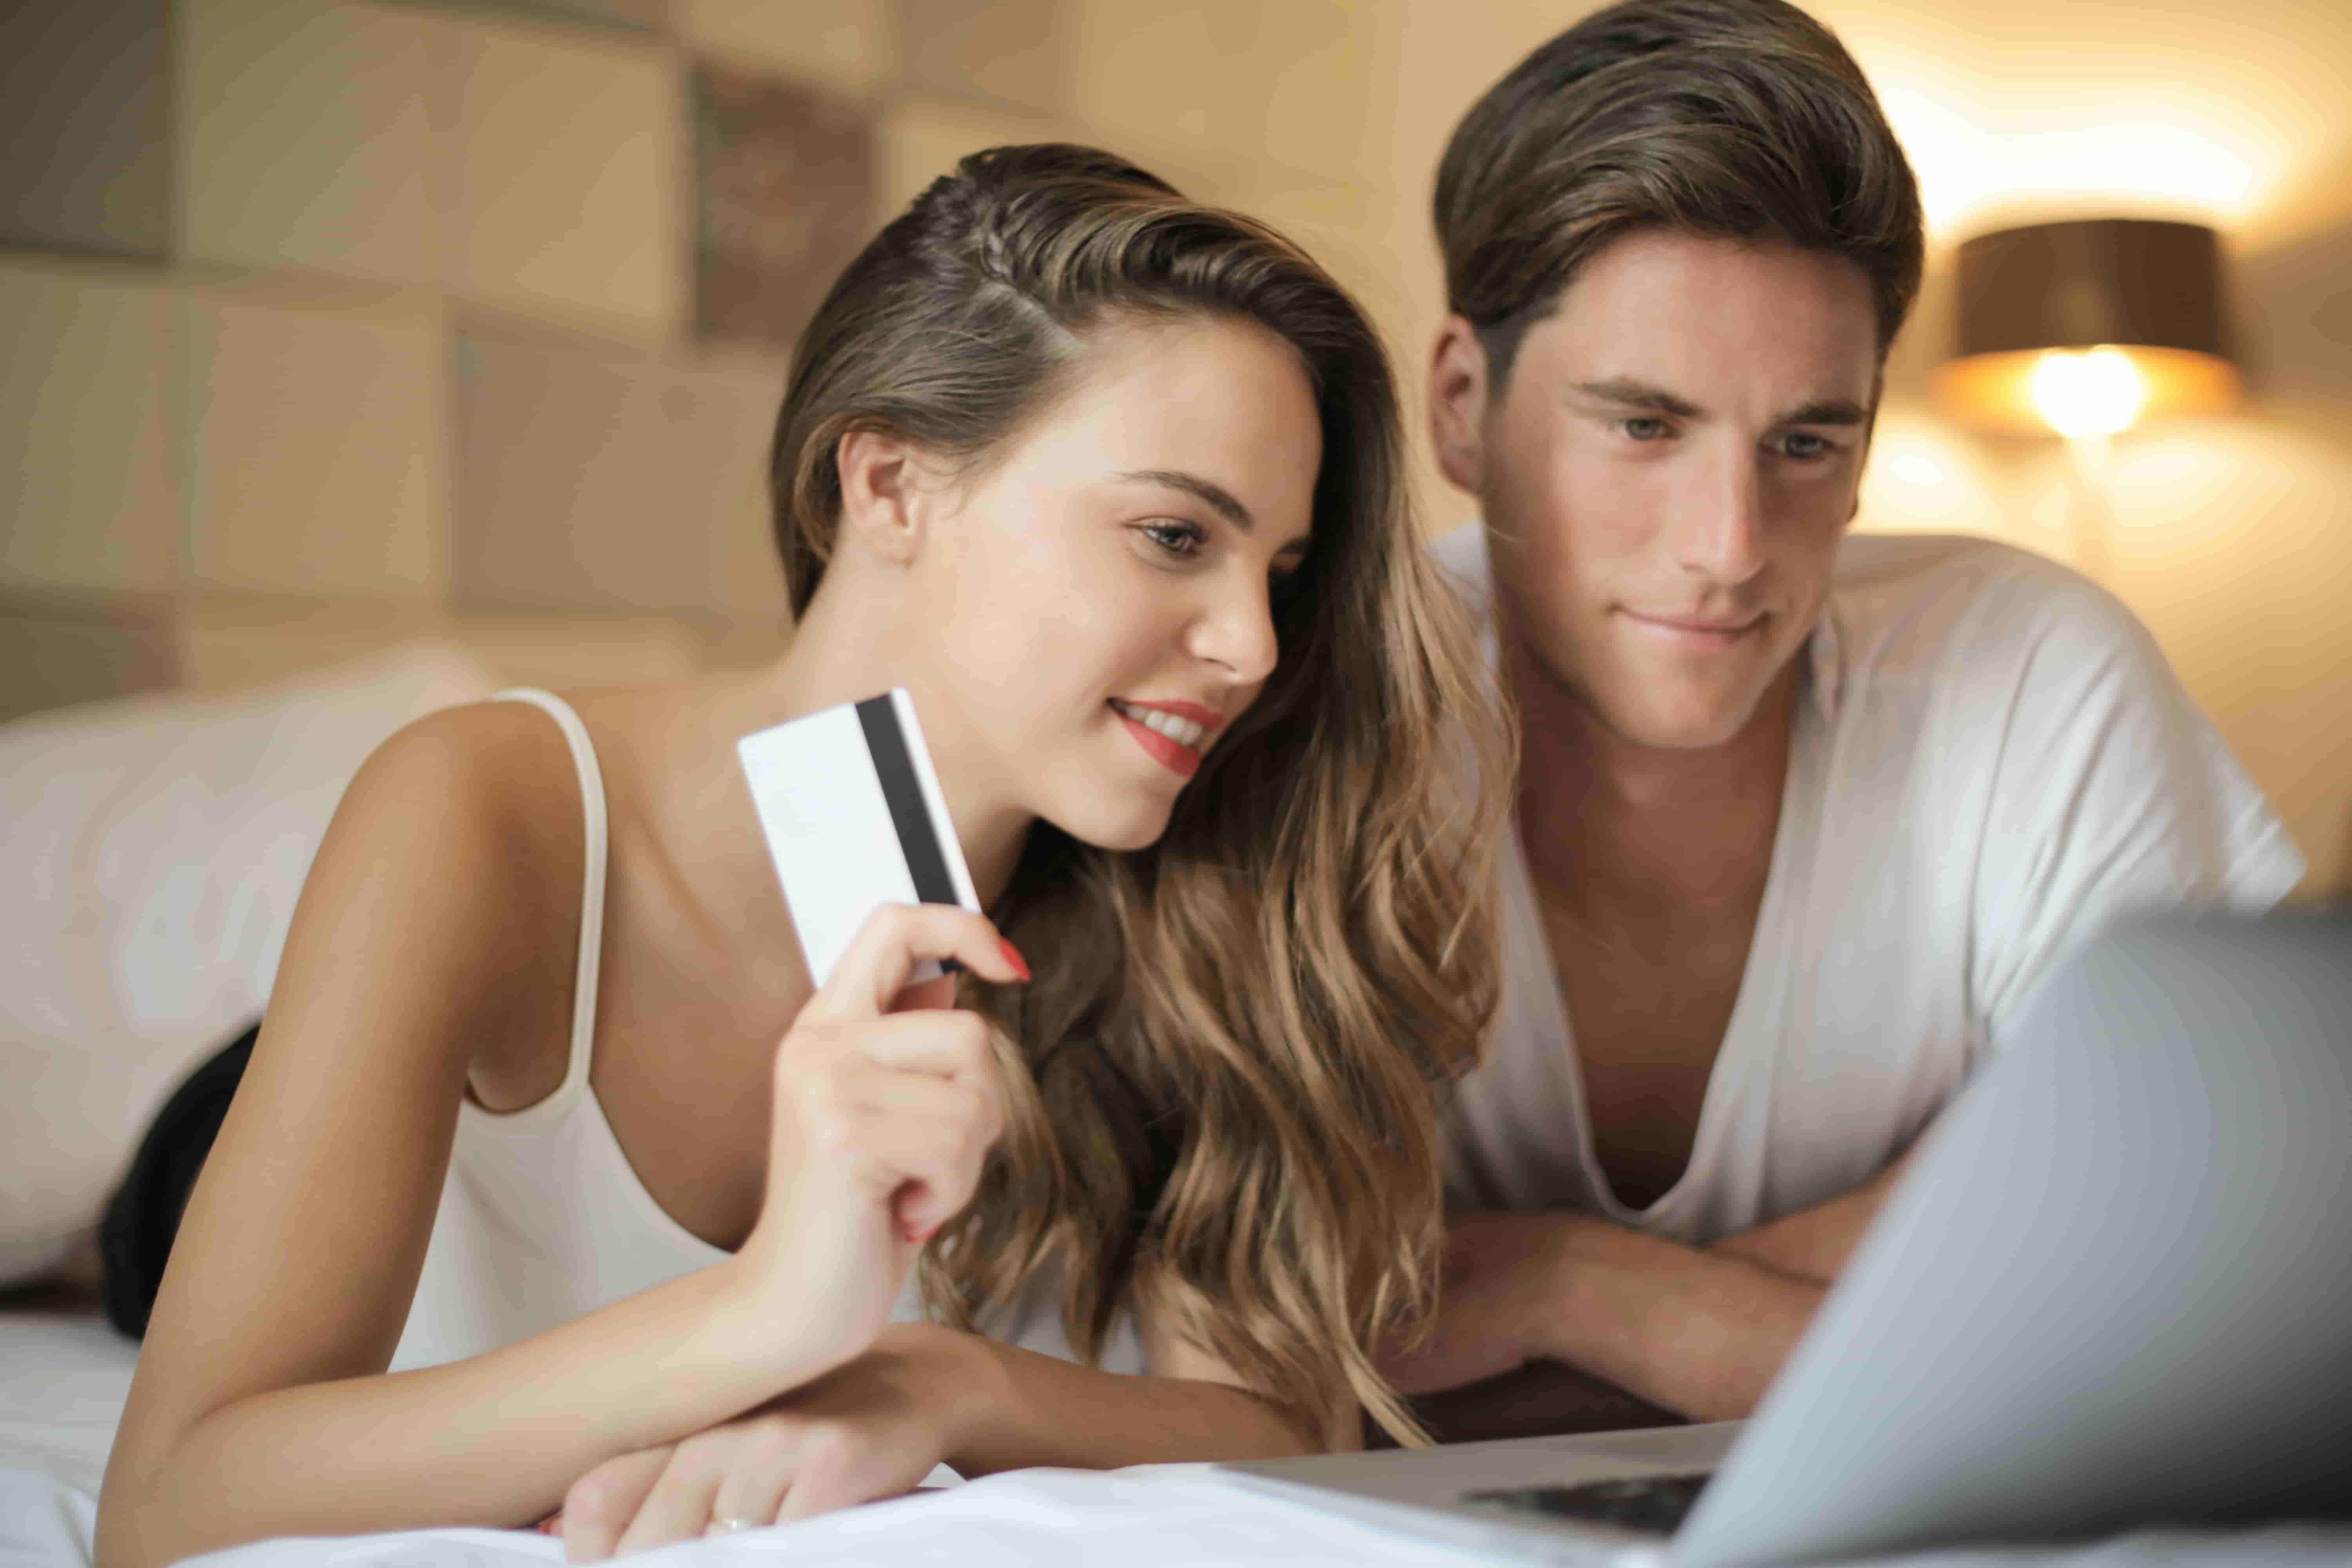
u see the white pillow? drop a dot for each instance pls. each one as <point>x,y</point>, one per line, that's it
<point>153,849</point>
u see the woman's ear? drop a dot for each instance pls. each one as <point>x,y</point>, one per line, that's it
<point>882,499</point>
<point>1457,404</point>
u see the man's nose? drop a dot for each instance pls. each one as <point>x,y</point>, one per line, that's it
<point>1718,529</point>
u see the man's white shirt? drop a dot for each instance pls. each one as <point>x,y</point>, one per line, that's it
<point>1992,761</point>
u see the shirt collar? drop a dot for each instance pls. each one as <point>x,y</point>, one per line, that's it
<point>1822,665</point>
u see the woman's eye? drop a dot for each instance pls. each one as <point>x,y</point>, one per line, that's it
<point>1182,540</point>
<point>1643,427</point>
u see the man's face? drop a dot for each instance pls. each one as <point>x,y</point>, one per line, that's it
<point>1667,471</point>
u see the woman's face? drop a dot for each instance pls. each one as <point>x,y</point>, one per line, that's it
<point>1097,597</point>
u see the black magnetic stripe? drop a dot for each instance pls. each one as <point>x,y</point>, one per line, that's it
<point>904,795</point>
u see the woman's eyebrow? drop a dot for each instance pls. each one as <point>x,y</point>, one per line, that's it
<point>1193,485</point>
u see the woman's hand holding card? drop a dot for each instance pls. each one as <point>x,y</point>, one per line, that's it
<point>887,1101</point>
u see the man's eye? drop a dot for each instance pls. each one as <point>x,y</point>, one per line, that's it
<point>1800,445</point>
<point>1182,540</point>
<point>1643,427</point>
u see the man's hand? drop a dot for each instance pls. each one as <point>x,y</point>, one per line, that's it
<point>872,1428</point>
<point>1499,1294</point>
<point>1686,1331</point>
<point>1700,1331</point>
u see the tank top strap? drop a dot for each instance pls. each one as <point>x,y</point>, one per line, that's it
<point>592,884</point>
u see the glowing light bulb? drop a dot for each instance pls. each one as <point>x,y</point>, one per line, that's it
<point>2093,393</point>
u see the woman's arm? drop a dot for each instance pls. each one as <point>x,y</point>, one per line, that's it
<point>257,1410</point>
<point>1033,1409</point>
<point>922,1395</point>
<point>260,1405</point>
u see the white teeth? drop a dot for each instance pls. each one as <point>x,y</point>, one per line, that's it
<point>1183,732</point>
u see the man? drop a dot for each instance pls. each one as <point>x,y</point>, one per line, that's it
<point>1801,818</point>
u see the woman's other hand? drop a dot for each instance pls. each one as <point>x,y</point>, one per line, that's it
<point>887,1102</point>
<point>871,1429</point>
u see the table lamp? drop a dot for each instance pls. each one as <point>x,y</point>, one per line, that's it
<point>2087,328</point>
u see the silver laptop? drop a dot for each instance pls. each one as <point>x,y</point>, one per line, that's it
<point>2115,1291</point>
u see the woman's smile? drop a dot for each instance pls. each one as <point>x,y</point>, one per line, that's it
<point>1174,734</point>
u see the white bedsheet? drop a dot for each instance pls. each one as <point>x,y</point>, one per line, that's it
<point>62,1381</point>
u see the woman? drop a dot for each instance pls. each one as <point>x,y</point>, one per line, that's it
<point>1110,482</point>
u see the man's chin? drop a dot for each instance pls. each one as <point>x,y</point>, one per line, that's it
<point>1693,727</point>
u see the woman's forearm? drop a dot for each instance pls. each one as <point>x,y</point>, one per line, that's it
<point>1024,1408</point>
<point>493,1440</point>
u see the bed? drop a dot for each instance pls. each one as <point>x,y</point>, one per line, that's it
<point>63,1374</point>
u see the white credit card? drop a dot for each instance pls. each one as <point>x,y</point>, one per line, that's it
<point>854,819</point>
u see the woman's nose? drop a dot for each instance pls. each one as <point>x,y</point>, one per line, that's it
<point>1235,629</point>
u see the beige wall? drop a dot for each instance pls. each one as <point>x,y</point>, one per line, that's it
<point>337,323</point>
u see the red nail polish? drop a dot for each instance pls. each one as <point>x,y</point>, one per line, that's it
<point>1012,956</point>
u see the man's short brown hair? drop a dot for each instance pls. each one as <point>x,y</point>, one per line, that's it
<point>1736,119</point>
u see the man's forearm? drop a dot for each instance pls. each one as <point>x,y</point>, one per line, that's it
<point>1704,1331</point>
<point>1700,1333</point>
<point>1034,1409</point>
<point>1813,1243</point>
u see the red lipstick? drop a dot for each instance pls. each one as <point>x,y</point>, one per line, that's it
<point>1165,750</point>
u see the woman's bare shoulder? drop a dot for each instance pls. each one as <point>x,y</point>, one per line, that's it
<point>494,780</point>
<point>458,845</point>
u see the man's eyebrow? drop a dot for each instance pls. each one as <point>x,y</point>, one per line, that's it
<point>1826,411</point>
<point>1209,490</point>
<point>1626,393</point>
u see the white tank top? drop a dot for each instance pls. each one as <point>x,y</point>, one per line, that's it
<point>542,1219</point>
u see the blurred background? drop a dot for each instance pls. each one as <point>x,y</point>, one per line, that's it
<point>336,325</point>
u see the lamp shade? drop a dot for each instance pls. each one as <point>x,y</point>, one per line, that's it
<point>2087,327</point>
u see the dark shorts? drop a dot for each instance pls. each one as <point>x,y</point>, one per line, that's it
<point>135,1238</point>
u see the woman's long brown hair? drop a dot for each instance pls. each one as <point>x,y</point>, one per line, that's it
<point>1226,1080</point>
